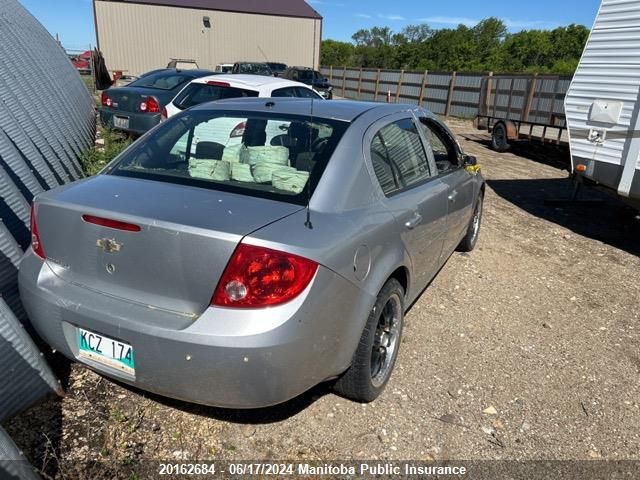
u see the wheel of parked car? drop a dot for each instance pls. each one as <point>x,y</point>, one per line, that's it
<point>378,348</point>
<point>473,230</point>
<point>499,139</point>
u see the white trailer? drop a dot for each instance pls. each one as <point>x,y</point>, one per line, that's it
<point>602,105</point>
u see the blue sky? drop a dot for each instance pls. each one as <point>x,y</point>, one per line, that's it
<point>72,20</point>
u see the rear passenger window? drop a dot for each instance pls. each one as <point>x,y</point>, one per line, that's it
<point>398,158</point>
<point>197,93</point>
<point>284,92</point>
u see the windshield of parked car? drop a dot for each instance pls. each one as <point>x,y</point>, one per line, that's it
<point>309,76</point>
<point>197,93</point>
<point>161,80</point>
<point>277,67</point>
<point>253,153</point>
<point>255,69</point>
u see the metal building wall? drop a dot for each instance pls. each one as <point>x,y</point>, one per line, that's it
<point>13,464</point>
<point>137,38</point>
<point>47,121</point>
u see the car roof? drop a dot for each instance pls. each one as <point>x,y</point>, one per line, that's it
<point>345,110</point>
<point>239,80</point>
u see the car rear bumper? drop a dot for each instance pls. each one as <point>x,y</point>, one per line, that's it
<point>139,123</point>
<point>225,357</point>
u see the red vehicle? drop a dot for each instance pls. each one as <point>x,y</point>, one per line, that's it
<point>82,62</point>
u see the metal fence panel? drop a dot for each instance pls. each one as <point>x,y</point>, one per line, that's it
<point>531,98</point>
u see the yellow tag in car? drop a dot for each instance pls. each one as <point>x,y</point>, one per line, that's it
<point>473,169</point>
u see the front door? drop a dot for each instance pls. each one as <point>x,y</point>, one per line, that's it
<point>460,184</point>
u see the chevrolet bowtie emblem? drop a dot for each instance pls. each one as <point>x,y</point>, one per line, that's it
<point>109,245</point>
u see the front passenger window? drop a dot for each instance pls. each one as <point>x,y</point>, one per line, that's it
<point>443,150</point>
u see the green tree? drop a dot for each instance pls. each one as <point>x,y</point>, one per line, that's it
<point>485,47</point>
<point>488,37</point>
<point>333,52</point>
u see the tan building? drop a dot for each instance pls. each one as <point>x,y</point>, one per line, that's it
<point>136,36</point>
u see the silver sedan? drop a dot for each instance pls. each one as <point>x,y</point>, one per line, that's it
<point>241,269</point>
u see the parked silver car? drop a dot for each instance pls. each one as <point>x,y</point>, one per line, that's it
<point>242,273</point>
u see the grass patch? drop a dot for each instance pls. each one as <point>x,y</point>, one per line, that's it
<point>98,156</point>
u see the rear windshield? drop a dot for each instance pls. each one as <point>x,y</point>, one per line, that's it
<point>280,157</point>
<point>197,93</point>
<point>280,67</point>
<point>161,80</point>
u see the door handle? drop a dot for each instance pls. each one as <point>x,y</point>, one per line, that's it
<point>453,195</point>
<point>414,222</point>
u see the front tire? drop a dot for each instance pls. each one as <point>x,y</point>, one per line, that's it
<point>377,351</point>
<point>469,241</point>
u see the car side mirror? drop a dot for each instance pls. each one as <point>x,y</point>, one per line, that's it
<point>469,161</point>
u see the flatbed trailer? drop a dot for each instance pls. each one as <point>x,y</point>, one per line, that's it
<point>516,108</point>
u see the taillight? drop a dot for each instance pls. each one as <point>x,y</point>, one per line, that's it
<point>36,244</point>
<point>258,277</point>
<point>238,131</point>
<point>105,100</point>
<point>164,115</point>
<point>149,105</point>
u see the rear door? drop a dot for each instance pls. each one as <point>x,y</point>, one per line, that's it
<point>460,184</point>
<point>411,189</point>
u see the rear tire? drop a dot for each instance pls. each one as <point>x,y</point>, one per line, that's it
<point>469,241</point>
<point>499,139</point>
<point>377,351</point>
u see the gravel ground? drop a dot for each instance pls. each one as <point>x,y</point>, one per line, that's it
<point>527,348</point>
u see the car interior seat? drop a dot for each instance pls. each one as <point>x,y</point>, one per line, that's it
<point>209,150</point>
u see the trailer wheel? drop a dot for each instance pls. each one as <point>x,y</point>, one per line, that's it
<point>499,139</point>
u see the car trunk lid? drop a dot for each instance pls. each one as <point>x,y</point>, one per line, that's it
<point>128,99</point>
<point>185,239</point>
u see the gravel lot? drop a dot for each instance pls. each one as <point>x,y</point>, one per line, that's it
<point>527,348</point>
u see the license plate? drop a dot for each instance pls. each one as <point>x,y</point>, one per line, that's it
<point>121,122</point>
<point>105,350</point>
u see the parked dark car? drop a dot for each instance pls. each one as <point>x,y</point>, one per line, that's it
<point>310,77</point>
<point>137,107</point>
<point>277,68</point>
<point>252,68</point>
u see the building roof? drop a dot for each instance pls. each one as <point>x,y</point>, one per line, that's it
<point>284,8</point>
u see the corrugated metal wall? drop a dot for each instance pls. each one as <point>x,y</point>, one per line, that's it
<point>25,377</point>
<point>13,464</point>
<point>47,120</point>
<point>136,38</point>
